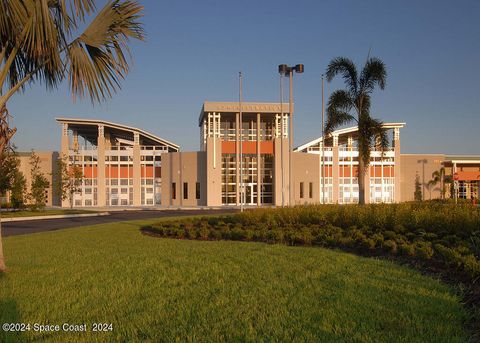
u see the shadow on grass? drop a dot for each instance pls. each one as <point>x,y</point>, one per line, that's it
<point>9,314</point>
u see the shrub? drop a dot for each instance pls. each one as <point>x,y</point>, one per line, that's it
<point>237,234</point>
<point>390,246</point>
<point>424,250</point>
<point>406,249</point>
<point>215,234</point>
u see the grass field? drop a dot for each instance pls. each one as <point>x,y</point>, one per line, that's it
<point>27,213</point>
<point>154,289</point>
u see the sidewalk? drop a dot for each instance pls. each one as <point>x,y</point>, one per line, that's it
<point>54,216</point>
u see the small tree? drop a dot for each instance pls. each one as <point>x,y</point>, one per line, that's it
<point>68,179</point>
<point>19,190</point>
<point>39,183</point>
<point>417,195</point>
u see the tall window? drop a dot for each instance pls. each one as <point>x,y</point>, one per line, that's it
<point>197,190</point>
<point>310,190</point>
<point>174,190</point>
<point>301,190</point>
<point>185,190</point>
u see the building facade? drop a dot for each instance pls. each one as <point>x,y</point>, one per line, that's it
<point>121,165</point>
<point>245,157</point>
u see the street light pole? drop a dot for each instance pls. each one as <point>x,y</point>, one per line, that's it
<point>290,135</point>
<point>322,144</point>
<point>282,128</point>
<point>286,70</point>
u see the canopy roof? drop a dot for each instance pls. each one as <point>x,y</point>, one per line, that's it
<point>88,128</point>
<point>343,135</point>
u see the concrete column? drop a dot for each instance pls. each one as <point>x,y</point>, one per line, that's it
<point>137,171</point>
<point>396,171</point>
<point>335,171</point>
<point>367,185</point>
<point>101,196</point>
<point>65,140</point>
<point>214,175</point>
<point>64,152</point>
<point>166,179</point>
<point>259,171</point>
<point>75,140</point>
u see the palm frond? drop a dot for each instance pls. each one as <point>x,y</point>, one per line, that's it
<point>380,135</point>
<point>97,59</point>
<point>81,8</point>
<point>344,66</point>
<point>340,100</point>
<point>336,119</point>
<point>374,73</point>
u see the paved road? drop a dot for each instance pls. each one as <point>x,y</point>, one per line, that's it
<point>32,226</point>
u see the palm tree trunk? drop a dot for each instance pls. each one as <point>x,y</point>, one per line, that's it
<point>3,268</point>
<point>361,181</point>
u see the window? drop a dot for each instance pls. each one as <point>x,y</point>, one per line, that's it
<point>197,190</point>
<point>185,190</point>
<point>301,190</point>
<point>310,190</point>
<point>174,190</point>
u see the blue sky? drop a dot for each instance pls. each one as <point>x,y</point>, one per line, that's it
<point>195,50</point>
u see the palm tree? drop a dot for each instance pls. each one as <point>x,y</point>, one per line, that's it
<point>353,105</point>
<point>45,41</point>
<point>439,176</point>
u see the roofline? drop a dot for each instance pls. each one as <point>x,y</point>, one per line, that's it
<point>233,106</point>
<point>117,126</point>
<point>345,131</point>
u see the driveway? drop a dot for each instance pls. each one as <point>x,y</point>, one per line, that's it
<point>33,226</point>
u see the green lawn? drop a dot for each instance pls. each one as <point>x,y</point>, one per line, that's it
<point>48,212</point>
<point>155,290</point>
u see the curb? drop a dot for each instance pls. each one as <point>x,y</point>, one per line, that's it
<point>58,216</point>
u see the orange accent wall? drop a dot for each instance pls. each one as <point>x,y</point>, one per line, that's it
<point>158,171</point>
<point>266,147</point>
<point>113,174</point>
<point>468,176</point>
<point>250,147</point>
<point>147,171</point>
<point>346,171</point>
<point>228,147</point>
<point>90,172</point>
<point>387,171</point>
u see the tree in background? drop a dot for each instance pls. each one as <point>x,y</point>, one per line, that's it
<point>50,41</point>
<point>417,195</point>
<point>18,192</point>
<point>430,185</point>
<point>8,164</point>
<point>68,180</point>
<point>356,99</point>
<point>439,176</point>
<point>39,184</point>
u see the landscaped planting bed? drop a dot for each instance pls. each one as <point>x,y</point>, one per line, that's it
<point>440,238</point>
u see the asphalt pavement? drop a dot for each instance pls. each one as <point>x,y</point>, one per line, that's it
<point>33,226</point>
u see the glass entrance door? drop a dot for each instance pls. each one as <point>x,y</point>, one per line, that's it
<point>250,193</point>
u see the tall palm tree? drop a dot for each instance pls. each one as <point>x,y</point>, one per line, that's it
<point>353,105</point>
<point>52,40</point>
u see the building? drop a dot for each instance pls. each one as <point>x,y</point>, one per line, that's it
<point>121,165</point>
<point>340,168</point>
<point>247,150</point>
